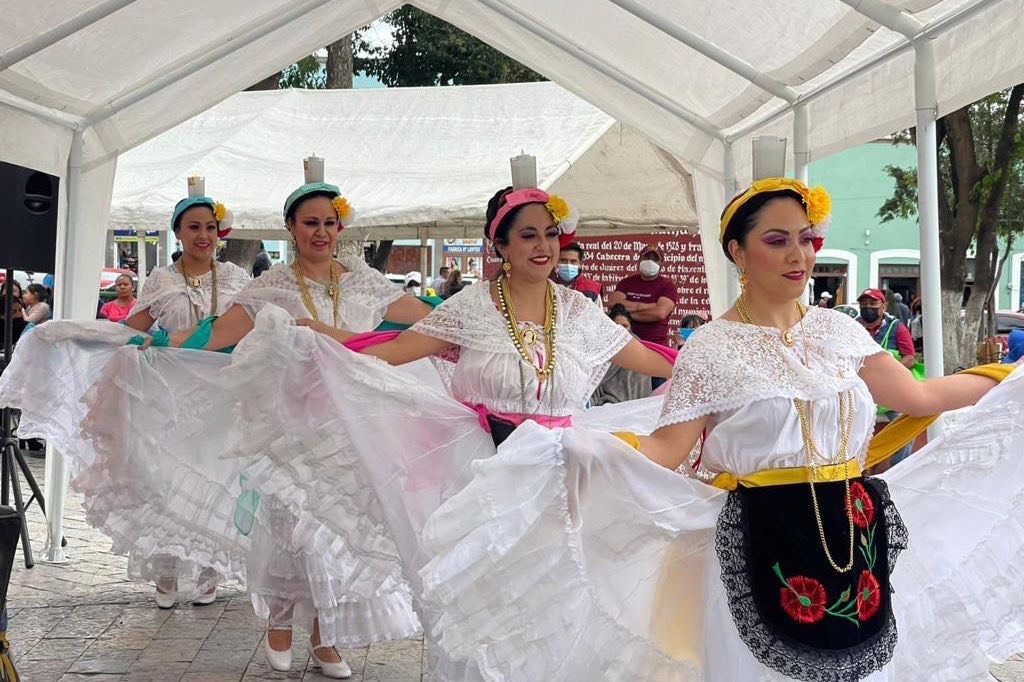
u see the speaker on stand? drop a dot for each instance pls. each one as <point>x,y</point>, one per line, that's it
<point>28,241</point>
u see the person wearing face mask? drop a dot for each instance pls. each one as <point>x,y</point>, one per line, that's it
<point>570,261</point>
<point>894,336</point>
<point>412,283</point>
<point>649,297</point>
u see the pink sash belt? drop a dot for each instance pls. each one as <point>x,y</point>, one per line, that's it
<point>545,420</point>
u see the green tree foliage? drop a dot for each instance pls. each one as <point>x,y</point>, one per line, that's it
<point>428,51</point>
<point>981,198</point>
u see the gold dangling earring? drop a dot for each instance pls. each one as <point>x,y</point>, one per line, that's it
<point>506,267</point>
<point>744,280</point>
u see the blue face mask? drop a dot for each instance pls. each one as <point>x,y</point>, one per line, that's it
<point>684,332</point>
<point>568,273</point>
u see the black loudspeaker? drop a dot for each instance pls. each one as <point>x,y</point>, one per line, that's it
<point>28,218</point>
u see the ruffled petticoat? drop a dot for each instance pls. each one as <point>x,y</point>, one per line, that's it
<point>567,555</point>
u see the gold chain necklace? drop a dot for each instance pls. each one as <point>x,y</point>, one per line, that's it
<point>193,282</point>
<point>522,339</point>
<point>786,336</point>
<point>332,290</point>
<point>845,420</point>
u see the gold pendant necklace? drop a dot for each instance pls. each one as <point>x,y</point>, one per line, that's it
<point>194,283</point>
<point>331,289</point>
<point>522,339</point>
<point>787,338</point>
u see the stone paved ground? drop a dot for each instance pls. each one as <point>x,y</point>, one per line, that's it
<point>86,621</point>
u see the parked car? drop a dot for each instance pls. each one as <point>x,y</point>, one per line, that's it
<point>1006,322</point>
<point>847,309</point>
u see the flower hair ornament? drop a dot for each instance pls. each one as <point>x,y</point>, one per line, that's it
<point>346,214</point>
<point>564,217</point>
<point>816,202</point>
<point>225,219</point>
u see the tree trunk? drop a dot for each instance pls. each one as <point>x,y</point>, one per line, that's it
<point>242,252</point>
<point>339,64</point>
<point>381,255</point>
<point>271,82</point>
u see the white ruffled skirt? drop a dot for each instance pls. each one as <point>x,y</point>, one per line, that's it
<point>567,555</point>
<point>154,437</point>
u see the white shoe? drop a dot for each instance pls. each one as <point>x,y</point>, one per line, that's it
<point>280,661</point>
<point>206,598</point>
<point>339,670</point>
<point>166,599</point>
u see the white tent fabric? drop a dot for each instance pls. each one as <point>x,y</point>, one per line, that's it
<point>691,75</point>
<point>83,81</point>
<point>415,162</point>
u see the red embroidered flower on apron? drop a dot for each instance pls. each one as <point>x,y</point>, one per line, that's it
<point>861,508</point>
<point>869,595</point>
<point>802,598</point>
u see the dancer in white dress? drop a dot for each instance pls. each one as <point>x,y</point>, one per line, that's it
<point>126,489</point>
<point>521,355</point>
<point>288,577</point>
<point>599,564</point>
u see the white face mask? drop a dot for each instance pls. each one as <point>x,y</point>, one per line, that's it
<point>649,268</point>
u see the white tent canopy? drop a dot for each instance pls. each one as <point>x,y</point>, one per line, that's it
<point>415,162</point>
<point>83,81</point>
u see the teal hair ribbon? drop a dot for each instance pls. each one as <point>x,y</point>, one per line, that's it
<point>188,203</point>
<point>309,188</point>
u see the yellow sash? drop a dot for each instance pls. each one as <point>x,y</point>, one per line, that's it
<point>768,477</point>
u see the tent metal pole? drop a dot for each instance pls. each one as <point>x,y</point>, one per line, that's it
<point>237,43</point>
<point>60,32</point>
<point>514,15</point>
<point>140,264</point>
<point>891,17</point>
<point>729,170</point>
<point>928,205</point>
<point>801,143</point>
<point>39,111</point>
<point>709,50</point>
<point>932,30</point>
<point>56,465</point>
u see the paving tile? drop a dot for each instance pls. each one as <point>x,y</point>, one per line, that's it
<point>104,661</point>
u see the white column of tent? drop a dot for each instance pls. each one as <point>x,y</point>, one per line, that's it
<point>928,204</point>
<point>140,266</point>
<point>801,143</point>
<point>729,166</point>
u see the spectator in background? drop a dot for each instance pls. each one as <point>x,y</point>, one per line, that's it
<point>649,297</point>
<point>440,281</point>
<point>412,283</point>
<point>37,309</point>
<point>620,385</point>
<point>825,301</point>
<point>902,309</point>
<point>686,327</point>
<point>917,326</point>
<point>121,307</point>
<point>262,262</point>
<point>570,261</point>
<point>454,284</point>
<point>894,337</point>
<point>17,312</point>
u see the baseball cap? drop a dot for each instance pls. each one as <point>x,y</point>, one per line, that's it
<point>825,295</point>
<point>872,293</point>
<point>413,277</point>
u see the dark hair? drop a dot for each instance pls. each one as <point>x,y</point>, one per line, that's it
<point>742,222</point>
<point>290,215</point>
<point>496,202</point>
<point>39,291</point>
<point>575,246</point>
<point>691,321</point>
<point>443,268</point>
<point>177,221</point>
<point>175,256</point>
<point>619,310</point>
<point>127,276</point>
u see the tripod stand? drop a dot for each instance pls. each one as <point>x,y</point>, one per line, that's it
<point>11,458</point>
